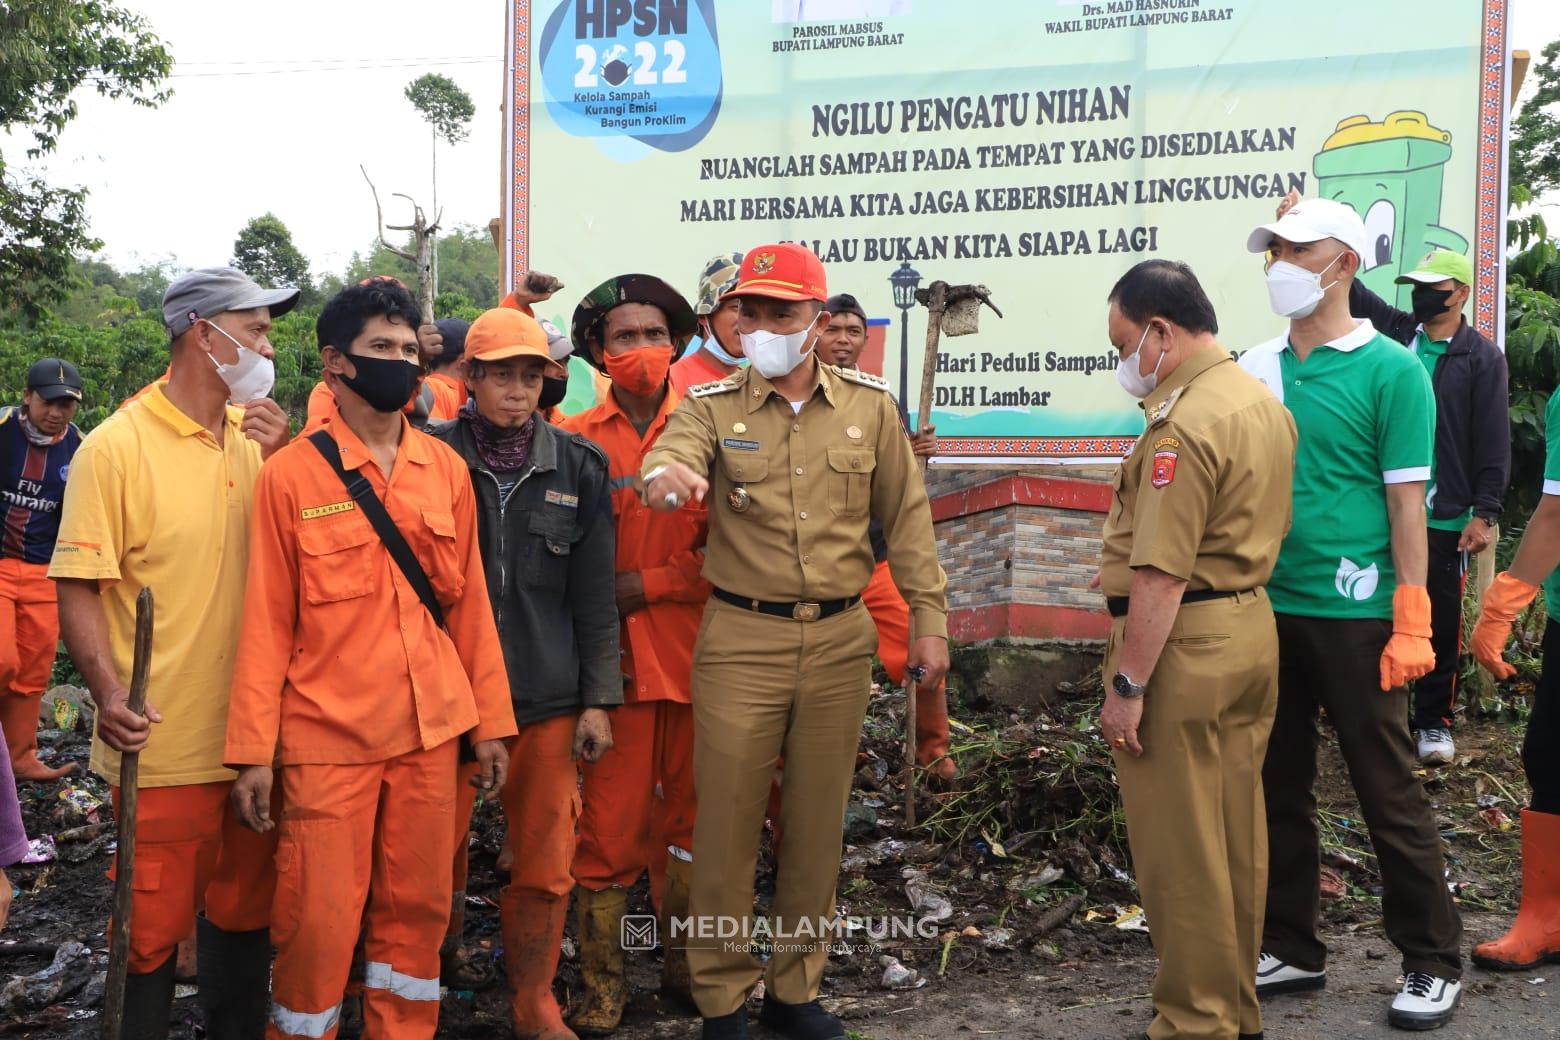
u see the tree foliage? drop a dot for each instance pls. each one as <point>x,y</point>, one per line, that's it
<point>468,266</point>
<point>264,250</point>
<point>110,324</point>
<point>1532,286</point>
<point>1535,133</point>
<point>49,49</point>
<point>445,107</point>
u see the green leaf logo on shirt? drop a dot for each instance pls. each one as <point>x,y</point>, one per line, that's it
<point>1354,583</point>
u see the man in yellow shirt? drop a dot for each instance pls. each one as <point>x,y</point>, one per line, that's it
<point>159,496</point>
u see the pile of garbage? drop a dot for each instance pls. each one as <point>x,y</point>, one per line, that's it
<point>1019,863</point>
<point>53,954</point>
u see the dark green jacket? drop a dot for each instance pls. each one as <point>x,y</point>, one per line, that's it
<point>550,559</point>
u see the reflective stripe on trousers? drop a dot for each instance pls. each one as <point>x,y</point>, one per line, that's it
<point>302,1023</point>
<point>379,975</point>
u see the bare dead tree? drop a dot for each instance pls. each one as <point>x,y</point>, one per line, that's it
<point>423,234</point>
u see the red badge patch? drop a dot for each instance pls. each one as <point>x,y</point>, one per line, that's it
<point>1164,469</point>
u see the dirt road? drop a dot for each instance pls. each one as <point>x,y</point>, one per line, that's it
<point>1109,1000</point>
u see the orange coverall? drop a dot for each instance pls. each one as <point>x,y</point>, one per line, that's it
<point>892,616</point>
<point>449,394</point>
<point>624,828</point>
<point>694,368</point>
<point>345,677</point>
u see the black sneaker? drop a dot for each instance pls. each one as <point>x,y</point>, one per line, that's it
<point>801,1021</point>
<point>727,1027</point>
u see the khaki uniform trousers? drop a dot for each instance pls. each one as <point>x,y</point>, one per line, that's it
<point>762,687</point>
<point>1195,816</point>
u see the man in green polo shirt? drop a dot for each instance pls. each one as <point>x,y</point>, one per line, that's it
<point>1352,611</point>
<point>1468,472</point>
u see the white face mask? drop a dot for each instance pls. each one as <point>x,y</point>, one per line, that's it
<point>1294,292</point>
<point>774,355</point>
<point>250,377</point>
<point>1133,381</point>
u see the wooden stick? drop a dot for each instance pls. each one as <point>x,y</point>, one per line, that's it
<point>124,872</point>
<point>936,303</point>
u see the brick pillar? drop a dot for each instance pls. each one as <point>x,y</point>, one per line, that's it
<point>1020,548</point>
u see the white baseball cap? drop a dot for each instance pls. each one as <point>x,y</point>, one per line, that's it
<point>1311,220</point>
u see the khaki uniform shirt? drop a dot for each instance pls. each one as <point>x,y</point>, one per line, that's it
<point>1205,494</point>
<point>791,493</point>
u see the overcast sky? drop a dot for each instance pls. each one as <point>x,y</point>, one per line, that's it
<point>274,109</point>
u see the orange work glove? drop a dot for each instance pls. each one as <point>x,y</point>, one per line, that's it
<point>1506,598</point>
<point>1408,654</point>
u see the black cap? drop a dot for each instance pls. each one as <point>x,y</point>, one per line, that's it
<point>453,330</point>
<point>845,303</point>
<point>52,379</point>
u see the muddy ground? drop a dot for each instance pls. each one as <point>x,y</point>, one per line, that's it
<point>1031,830</point>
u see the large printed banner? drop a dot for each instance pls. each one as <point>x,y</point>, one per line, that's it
<point>1038,147</point>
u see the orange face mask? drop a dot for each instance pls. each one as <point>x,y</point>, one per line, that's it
<point>641,372</point>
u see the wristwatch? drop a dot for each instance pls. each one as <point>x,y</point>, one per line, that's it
<point>1125,687</point>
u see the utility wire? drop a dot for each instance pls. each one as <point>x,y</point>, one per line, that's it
<point>302,66</point>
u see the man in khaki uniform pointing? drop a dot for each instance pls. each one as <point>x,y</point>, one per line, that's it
<point>793,458</point>
<point>1200,509</point>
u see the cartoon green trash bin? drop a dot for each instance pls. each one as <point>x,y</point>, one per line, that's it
<point>1392,173</point>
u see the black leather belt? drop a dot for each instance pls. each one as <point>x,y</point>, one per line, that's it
<point>803,611</point>
<point>1117,605</point>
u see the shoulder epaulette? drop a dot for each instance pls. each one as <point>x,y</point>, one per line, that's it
<point>860,378</point>
<point>1161,411</point>
<point>589,445</point>
<point>719,386</point>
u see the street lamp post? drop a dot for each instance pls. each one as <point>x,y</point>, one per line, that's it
<point>905,281</point>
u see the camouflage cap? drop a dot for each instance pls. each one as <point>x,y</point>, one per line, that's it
<point>631,288</point>
<point>720,275</point>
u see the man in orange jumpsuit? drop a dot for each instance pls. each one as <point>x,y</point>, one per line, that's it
<point>159,496</point>
<point>37,442</point>
<point>718,351</point>
<point>546,536</point>
<point>445,346</point>
<point>359,673</point>
<point>632,327</point>
<point>841,344</point>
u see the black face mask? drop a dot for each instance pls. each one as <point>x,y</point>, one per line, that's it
<point>553,393</point>
<point>385,383</point>
<point>1430,304</point>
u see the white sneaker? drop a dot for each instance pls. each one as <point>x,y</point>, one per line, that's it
<point>1426,1002</point>
<point>1435,746</point>
<point>1274,977</point>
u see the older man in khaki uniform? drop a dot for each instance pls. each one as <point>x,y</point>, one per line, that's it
<point>1200,510</point>
<point>793,458</point>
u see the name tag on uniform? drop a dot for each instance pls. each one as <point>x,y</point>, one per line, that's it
<point>732,442</point>
<point>330,510</point>
<point>558,498</point>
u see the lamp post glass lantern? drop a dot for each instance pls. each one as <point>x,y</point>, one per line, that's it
<point>905,281</point>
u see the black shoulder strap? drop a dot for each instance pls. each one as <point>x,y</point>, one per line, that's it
<point>362,493</point>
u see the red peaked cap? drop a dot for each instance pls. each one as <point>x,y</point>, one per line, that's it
<point>785,271</point>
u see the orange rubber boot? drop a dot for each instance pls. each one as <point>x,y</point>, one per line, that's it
<point>931,733</point>
<point>533,936</point>
<point>1534,936</point>
<point>19,719</point>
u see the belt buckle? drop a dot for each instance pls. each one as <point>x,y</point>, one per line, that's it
<point>805,611</point>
